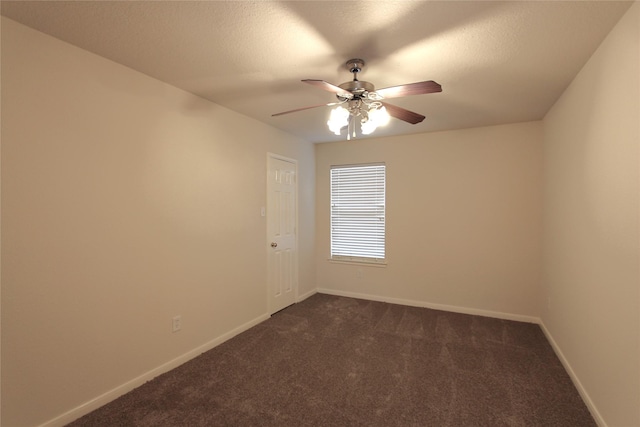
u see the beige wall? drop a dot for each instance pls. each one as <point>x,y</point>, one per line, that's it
<point>463,220</point>
<point>590,272</point>
<point>125,202</point>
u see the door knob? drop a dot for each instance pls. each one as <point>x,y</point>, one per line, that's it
<point>274,244</point>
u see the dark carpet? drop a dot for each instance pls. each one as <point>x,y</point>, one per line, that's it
<point>335,361</point>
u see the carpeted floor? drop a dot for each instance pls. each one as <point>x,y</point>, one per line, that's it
<point>335,361</point>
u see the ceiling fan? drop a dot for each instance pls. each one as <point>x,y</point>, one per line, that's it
<point>360,99</point>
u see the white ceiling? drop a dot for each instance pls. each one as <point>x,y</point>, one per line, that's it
<point>497,62</point>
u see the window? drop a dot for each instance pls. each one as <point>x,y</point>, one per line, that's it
<point>358,213</point>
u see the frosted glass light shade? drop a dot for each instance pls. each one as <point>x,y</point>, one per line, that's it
<point>380,116</point>
<point>376,117</point>
<point>338,119</point>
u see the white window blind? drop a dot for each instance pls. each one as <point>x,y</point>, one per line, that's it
<point>358,213</point>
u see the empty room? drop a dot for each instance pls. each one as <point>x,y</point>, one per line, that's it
<point>322,213</point>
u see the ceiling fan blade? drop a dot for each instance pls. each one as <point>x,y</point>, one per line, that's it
<point>306,108</point>
<point>329,87</point>
<point>419,88</point>
<point>402,114</point>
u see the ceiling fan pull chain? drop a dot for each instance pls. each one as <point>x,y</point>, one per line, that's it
<point>353,125</point>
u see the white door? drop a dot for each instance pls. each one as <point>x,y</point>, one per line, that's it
<point>282,242</point>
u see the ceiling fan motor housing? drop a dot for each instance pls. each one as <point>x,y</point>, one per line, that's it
<point>357,88</point>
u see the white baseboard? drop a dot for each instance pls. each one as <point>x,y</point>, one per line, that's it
<point>306,295</point>
<point>113,394</point>
<point>576,381</point>
<point>443,307</point>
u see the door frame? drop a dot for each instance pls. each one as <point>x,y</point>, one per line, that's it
<point>267,242</point>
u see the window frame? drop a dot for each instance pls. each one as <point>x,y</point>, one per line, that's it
<point>375,210</point>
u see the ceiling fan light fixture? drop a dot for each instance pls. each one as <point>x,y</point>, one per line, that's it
<point>338,119</point>
<point>368,127</point>
<point>375,117</point>
<point>380,116</point>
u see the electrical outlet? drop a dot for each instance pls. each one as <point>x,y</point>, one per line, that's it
<point>176,324</point>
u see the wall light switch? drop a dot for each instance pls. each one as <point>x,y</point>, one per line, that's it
<point>176,323</point>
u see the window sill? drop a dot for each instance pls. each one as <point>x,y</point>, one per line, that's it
<point>361,262</point>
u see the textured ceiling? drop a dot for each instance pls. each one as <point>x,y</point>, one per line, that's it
<point>497,62</point>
